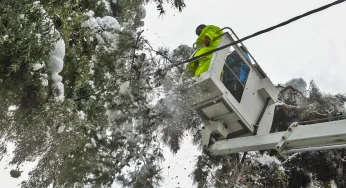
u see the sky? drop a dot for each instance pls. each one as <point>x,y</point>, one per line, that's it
<point>310,48</point>
<point>5,178</point>
<point>177,167</point>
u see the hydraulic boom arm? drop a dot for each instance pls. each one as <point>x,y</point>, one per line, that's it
<point>298,138</point>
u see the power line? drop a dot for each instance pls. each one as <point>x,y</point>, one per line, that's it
<point>262,31</point>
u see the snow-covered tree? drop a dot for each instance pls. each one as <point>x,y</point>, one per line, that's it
<point>74,92</point>
<point>305,169</point>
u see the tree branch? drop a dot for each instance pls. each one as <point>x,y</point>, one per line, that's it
<point>289,87</point>
<point>158,52</point>
<point>135,47</point>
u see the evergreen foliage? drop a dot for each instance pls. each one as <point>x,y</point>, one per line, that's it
<point>103,125</point>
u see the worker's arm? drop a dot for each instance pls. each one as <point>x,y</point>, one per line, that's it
<point>209,36</point>
<point>207,41</point>
<point>211,33</point>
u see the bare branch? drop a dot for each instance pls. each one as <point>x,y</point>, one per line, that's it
<point>158,52</point>
<point>289,87</point>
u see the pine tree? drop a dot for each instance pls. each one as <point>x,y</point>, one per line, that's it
<point>86,117</point>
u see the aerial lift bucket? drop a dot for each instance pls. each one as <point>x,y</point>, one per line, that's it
<point>225,116</point>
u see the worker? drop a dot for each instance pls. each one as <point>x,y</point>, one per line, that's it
<point>207,36</point>
<point>235,73</point>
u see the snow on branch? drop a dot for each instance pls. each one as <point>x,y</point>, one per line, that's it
<point>104,29</point>
<point>57,55</point>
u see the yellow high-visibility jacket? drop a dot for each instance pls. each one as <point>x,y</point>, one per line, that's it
<point>202,65</point>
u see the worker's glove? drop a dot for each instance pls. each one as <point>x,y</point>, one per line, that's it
<point>206,41</point>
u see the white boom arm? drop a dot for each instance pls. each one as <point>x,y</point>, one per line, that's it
<point>298,138</point>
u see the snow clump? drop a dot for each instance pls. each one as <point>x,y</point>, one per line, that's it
<point>267,160</point>
<point>61,129</point>
<point>81,115</point>
<point>124,88</point>
<point>104,29</point>
<point>56,65</point>
<point>37,66</point>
